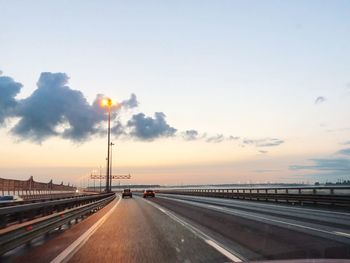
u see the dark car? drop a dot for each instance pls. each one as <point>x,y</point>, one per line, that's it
<point>148,193</point>
<point>10,198</point>
<point>126,192</point>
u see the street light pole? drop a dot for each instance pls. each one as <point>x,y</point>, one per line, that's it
<point>109,141</point>
<point>95,183</point>
<point>110,169</point>
<point>107,102</point>
<point>100,177</point>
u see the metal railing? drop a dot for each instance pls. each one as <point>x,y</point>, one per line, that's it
<point>28,211</point>
<point>336,196</point>
<point>31,187</point>
<point>42,198</point>
<point>25,233</point>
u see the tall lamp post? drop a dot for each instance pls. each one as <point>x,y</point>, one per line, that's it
<point>110,169</point>
<point>107,102</point>
<point>100,177</point>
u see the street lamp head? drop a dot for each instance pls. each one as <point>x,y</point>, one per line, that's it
<point>106,102</point>
<point>109,103</point>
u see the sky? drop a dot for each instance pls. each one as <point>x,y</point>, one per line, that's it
<point>207,91</point>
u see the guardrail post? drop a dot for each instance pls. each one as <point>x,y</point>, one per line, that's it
<point>276,200</point>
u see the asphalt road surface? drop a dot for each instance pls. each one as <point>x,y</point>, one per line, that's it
<point>138,232</point>
<point>172,228</point>
<point>257,230</point>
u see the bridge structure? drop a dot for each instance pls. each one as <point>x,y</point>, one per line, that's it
<point>101,177</point>
<point>179,225</point>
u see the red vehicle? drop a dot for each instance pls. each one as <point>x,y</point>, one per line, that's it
<point>149,193</point>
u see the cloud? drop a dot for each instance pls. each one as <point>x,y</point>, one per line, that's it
<point>263,152</point>
<point>54,105</point>
<point>266,170</point>
<point>8,91</point>
<point>130,103</point>
<point>148,128</point>
<point>344,151</point>
<point>347,143</point>
<point>216,138</point>
<point>54,109</point>
<point>118,129</point>
<point>320,100</point>
<point>326,166</point>
<point>266,142</point>
<point>190,135</point>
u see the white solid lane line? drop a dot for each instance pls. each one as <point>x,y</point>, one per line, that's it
<point>342,234</point>
<point>249,215</point>
<point>68,253</point>
<point>233,256</point>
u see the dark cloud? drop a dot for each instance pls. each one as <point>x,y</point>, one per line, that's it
<point>263,152</point>
<point>54,109</point>
<point>327,166</point>
<point>118,129</point>
<point>347,143</point>
<point>148,128</point>
<point>336,166</point>
<point>8,91</point>
<point>54,105</point>
<point>190,135</point>
<point>320,100</point>
<point>266,142</point>
<point>344,151</point>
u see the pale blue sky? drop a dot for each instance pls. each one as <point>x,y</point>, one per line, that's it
<point>244,68</point>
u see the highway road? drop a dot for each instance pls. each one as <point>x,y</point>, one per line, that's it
<point>172,228</point>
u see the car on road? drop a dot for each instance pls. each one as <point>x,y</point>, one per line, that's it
<point>126,192</point>
<point>149,193</point>
<point>10,198</point>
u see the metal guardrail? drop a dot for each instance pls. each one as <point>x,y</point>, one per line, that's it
<point>41,199</point>
<point>335,196</point>
<point>29,211</point>
<point>24,234</point>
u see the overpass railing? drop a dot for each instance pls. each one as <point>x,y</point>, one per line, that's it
<point>336,196</point>
<point>30,187</point>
